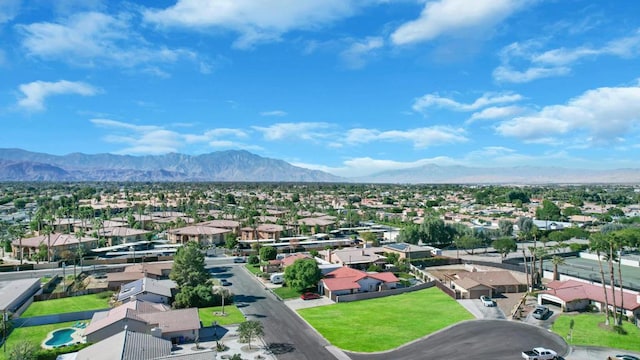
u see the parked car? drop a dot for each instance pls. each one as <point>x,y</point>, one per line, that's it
<point>541,312</point>
<point>238,260</point>
<point>225,282</point>
<point>626,357</point>
<point>309,296</point>
<point>539,353</point>
<point>487,301</point>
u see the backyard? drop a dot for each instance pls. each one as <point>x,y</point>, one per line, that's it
<point>32,334</point>
<point>399,319</point>
<point>588,330</point>
<point>69,304</point>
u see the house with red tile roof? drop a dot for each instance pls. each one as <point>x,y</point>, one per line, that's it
<point>573,295</point>
<point>345,281</point>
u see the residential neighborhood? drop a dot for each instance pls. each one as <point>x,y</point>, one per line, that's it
<point>191,271</point>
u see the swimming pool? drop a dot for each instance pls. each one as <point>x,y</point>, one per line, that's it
<point>60,337</point>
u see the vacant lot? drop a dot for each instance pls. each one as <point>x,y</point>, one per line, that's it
<point>385,323</point>
<point>70,304</point>
<point>588,329</point>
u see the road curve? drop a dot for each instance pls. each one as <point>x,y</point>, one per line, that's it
<point>475,339</point>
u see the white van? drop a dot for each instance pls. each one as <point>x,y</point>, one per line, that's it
<point>277,278</point>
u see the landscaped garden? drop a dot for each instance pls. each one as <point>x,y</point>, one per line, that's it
<point>589,330</point>
<point>232,315</point>
<point>69,304</point>
<point>399,319</point>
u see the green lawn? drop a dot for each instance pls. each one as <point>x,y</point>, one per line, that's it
<point>70,304</point>
<point>286,292</point>
<point>234,316</point>
<point>385,323</point>
<point>254,269</point>
<point>587,331</point>
<point>33,334</point>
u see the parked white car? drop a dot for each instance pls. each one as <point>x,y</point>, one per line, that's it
<point>539,353</point>
<point>487,301</point>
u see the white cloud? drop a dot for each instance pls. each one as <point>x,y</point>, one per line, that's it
<point>364,166</point>
<point>495,112</point>
<point>8,10</point>
<point>255,21</point>
<point>294,131</point>
<point>274,113</point>
<point>93,38</point>
<point>556,62</point>
<point>153,139</point>
<point>605,114</point>
<point>446,17</point>
<point>35,93</point>
<point>355,56</point>
<point>420,137</point>
<point>434,100</point>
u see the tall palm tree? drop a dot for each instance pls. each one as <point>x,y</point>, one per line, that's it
<point>598,243</point>
<point>611,258</point>
<point>556,261</point>
<point>48,230</point>
<point>18,232</point>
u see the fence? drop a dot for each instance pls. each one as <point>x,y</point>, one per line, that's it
<point>55,318</point>
<point>379,294</point>
<point>61,295</point>
<point>447,290</point>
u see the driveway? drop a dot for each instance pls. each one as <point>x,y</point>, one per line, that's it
<point>296,304</point>
<point>475,307</point>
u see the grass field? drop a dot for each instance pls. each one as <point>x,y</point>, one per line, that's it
<point>254,269</point>
<point>385,323</point>
<point>286,292</point>
<point>588,331</point>
<point>33,334</point>
<point>234,316</point>
<point>66,305</point>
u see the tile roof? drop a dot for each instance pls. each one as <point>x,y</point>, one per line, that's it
<point>346,278</point>
<point>289,260</point>
<point>56,239</point>
<point>571,290</point>
<point>174,320</point>
<point>198,230</point>
<point>491,278</point>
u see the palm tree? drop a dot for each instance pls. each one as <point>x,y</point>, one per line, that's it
<point>48,230</point>
<point>598,243</point>
<point>556,261</point>
<point>17,232</point>
<point>611,257</point>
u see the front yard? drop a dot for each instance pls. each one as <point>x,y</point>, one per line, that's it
<point>233,315</point>
<point>385,323</point>
<point>588,330</point>
<point>70,304</point>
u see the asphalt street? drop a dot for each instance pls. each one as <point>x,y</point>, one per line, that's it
<point>285,334</point>
<point>478,339</point>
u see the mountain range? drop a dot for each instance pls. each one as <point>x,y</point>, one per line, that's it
<point>243,166</point>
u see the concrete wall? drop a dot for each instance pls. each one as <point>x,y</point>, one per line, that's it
<point>55,318</point>
<point>379,294</point>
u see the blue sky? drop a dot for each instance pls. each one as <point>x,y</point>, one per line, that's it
<point>349,87</point>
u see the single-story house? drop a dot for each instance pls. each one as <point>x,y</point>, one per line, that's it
<point>289,260</point>
<point>271,266</point>
<point>56,243</point>
<point>408,251</point>
<point>346,280</point>
<point>144,317</point>
<point>145,289</point>
<point>574,295</point>
<point>357,258</point>
<point>204,235</point>
<point>232,225</point>
<point>127,345</point>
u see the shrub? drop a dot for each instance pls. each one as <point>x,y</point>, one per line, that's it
<point>253,260</point>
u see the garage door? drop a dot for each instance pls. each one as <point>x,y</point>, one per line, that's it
<point>550,302</point>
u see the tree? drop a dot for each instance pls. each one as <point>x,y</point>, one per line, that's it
<point>370,238</point>
<point>17,232</point>
<point>302,274</point>
<point>23,350</point>
<point>230,241</point>
<point>467,243</point>
<point>505,227</point>
<point>188,266</point>
<point>268,253</point>
<point>556,261</point>
<point>505,245</point>
<point>409,234</point>
<point>436,232</point>
<point>250,329</point>
<point>598,243</point>
<point>548,211</point>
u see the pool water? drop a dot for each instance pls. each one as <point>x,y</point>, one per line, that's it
<point>60,337</point>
